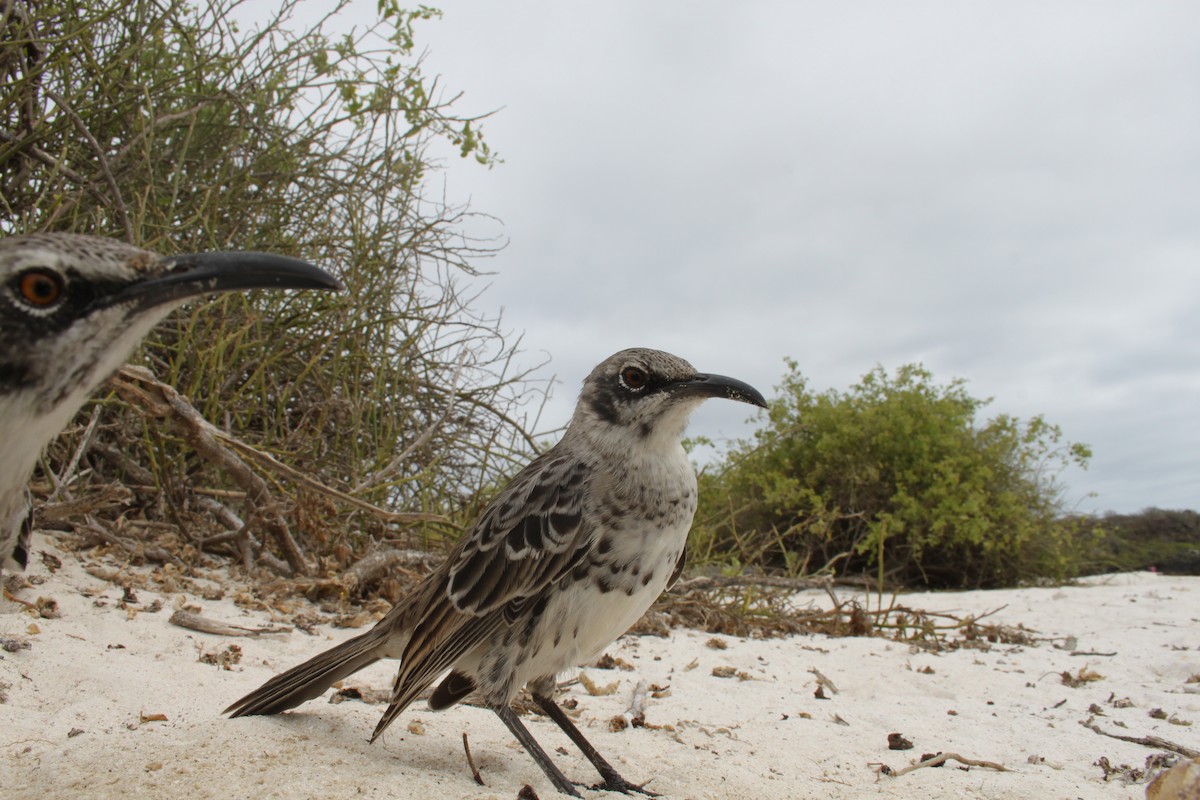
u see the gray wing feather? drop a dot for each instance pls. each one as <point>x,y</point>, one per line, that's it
<point>529,536</point>
<point>534,532</point>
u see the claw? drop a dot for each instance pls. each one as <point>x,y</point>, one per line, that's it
<point>615,783</point>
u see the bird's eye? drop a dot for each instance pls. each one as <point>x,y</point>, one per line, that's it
<point>39,287</point>
<point>633,377</point>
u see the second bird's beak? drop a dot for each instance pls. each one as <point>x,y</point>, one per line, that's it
<point>705,385</point>
<point>181,277</point>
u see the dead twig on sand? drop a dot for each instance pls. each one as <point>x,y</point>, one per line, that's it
<point>1146,741</point>
<point>94,528</point>
<point>471,761</point>
<point>710,582</point>
<point>942,758</point>
<point>195,622</point>
<point>375,566</point>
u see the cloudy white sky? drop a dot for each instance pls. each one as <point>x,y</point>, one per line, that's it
<point>1008,192</point>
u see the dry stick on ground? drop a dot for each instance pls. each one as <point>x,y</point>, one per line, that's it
<point>96,499</point>
<point>375,566</point>
<point>822,681</point>
<point>471,762</point>
<point>942,758</point>
<point>711,603</point>
<point>1147,741</point>
<point>140,549</point>
<point>238,531</point>
<point>141,389</point>
<point>708,583</point>
<point>195,622</point>
<point>143,479</point>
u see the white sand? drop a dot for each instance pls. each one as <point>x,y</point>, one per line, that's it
<point>72,725</point>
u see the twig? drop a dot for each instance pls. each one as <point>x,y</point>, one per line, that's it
<point>220,437</point>
<point>266,459</point>
<point>118,202</point>
<point>424,436</point>
<point>373,566</point>
<point>45,158</point>
<point>147,551</point>
<point>707,583</point>
<point>635,715</point>
<point>148,485</point>
<point>141,389</point>
<point>144,478</point>
<point>195,622</point>
<point>68,471</point>
<point>1147,741</point>
<point>942,758</point>
<point>471,762</point>
<point>822,681</point>
<point>239,530</point>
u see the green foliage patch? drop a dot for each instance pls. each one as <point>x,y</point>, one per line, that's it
<point>187,127</point>
<point>896,477</point>
<point>1154,538</point>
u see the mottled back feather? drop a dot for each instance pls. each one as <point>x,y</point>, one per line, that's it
<point>530,536</point>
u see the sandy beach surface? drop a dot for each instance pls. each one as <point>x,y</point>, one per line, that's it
<point>111,699</point>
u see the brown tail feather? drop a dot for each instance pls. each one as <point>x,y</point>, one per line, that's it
<point>310,679</point>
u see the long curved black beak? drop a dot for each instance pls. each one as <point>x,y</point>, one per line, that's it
<point>706,385</point>
<point>184,276</point>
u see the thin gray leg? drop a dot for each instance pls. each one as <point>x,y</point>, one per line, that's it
<point>613,781</point>
<point>535,751</point>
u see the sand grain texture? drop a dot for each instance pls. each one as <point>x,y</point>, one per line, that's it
<point>79,719</point>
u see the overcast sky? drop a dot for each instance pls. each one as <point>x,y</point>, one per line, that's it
<point>1008,192</point>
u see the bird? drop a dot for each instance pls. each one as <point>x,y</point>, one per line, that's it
<point>72,309</point>
<point>561,562</point>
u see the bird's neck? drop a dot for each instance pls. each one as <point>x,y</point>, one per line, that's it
<point>24,432</point>
<point>655,441</point>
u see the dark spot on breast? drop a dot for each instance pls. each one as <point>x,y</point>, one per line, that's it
<point>649,576</point>
<point>499,670</point>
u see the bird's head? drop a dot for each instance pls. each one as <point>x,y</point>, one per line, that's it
<point>73,308</point>
<point>651,394</point>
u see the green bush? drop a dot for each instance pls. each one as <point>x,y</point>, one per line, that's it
<point>1168,541</point>
<point>895,477</point>
<point>182,127</point>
